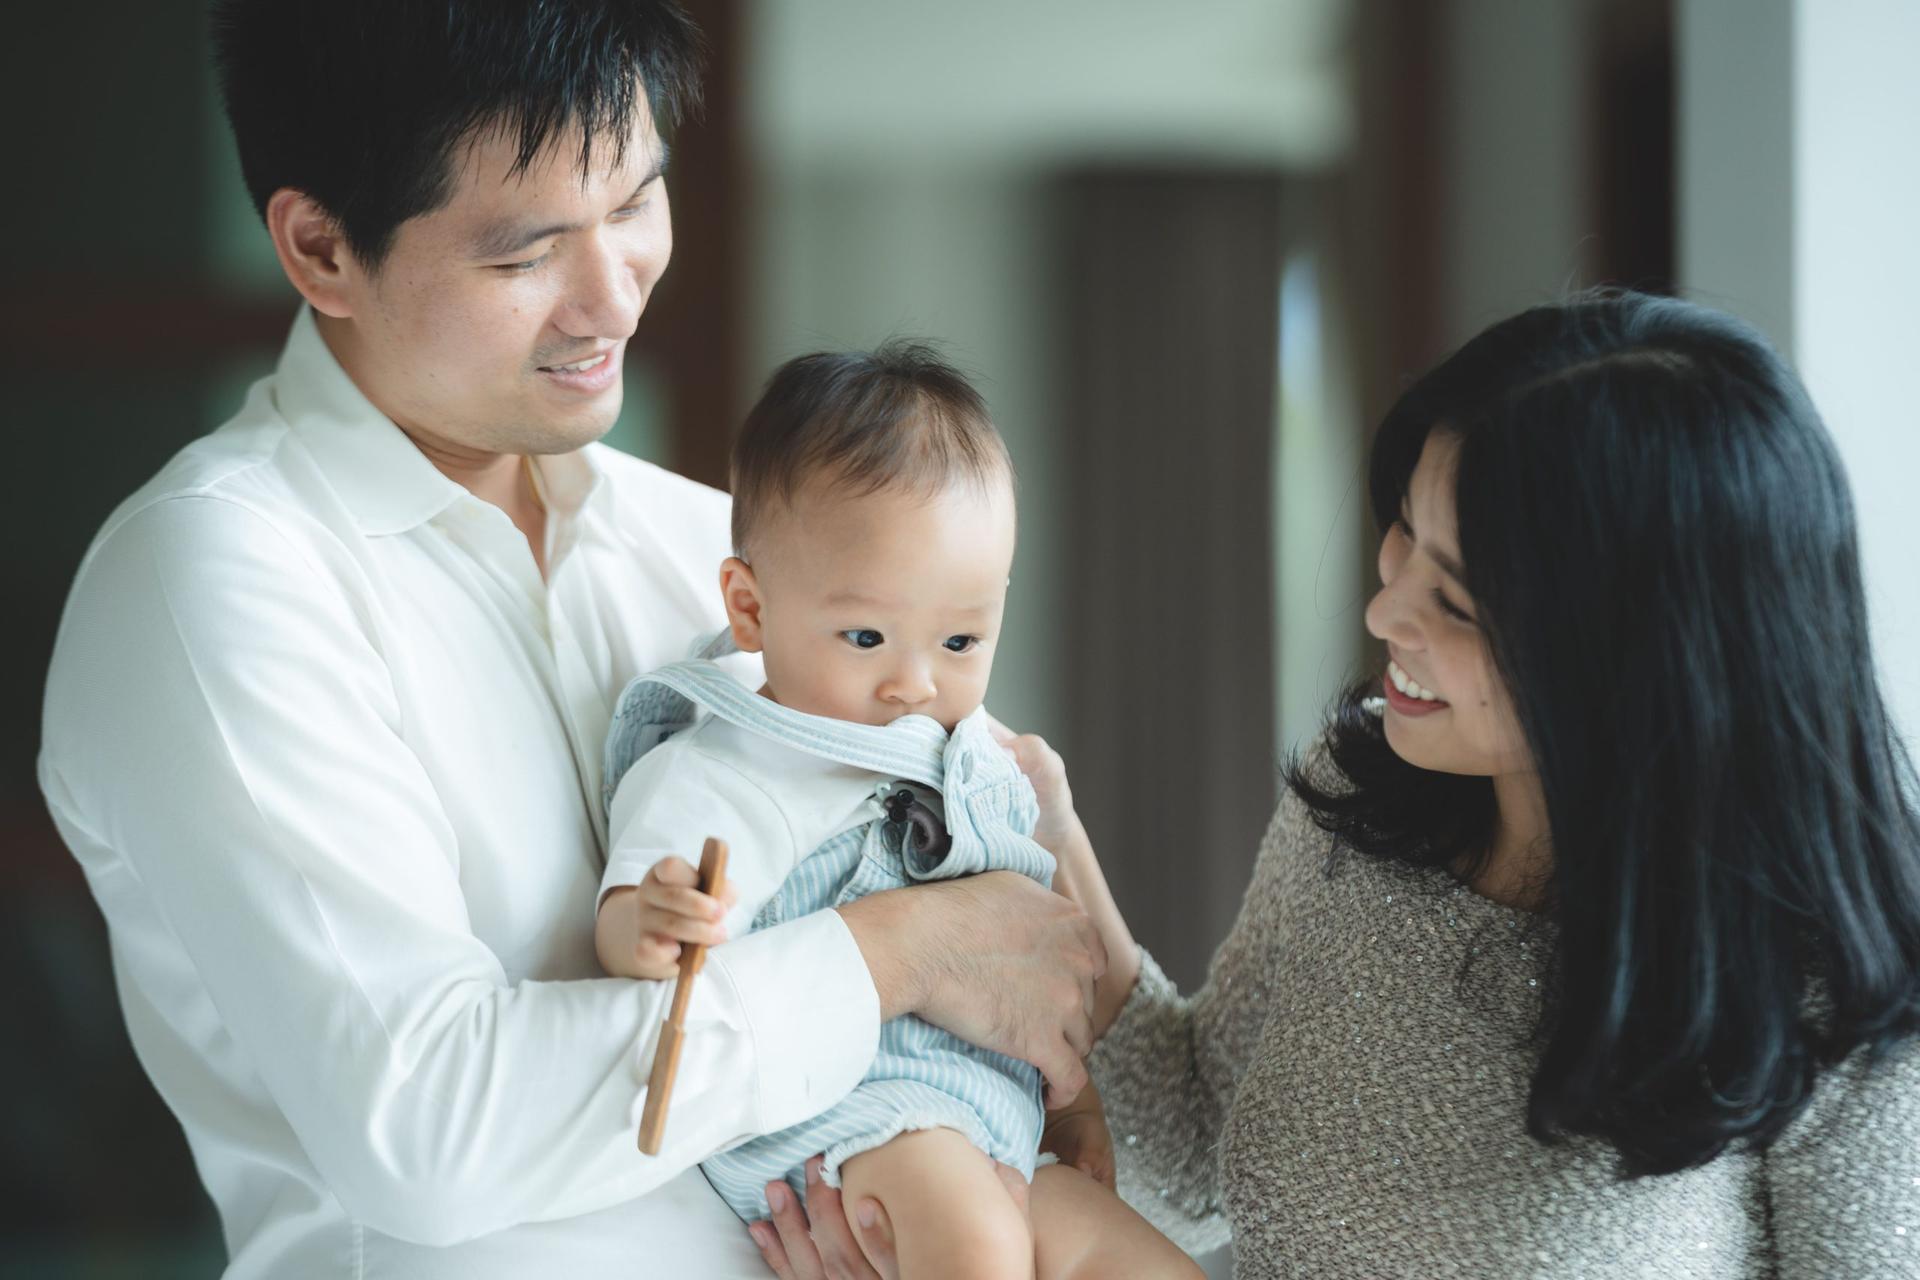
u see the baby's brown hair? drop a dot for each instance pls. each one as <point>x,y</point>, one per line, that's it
<point>896,417</point>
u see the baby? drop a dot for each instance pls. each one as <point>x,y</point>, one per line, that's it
<point>874,524</point>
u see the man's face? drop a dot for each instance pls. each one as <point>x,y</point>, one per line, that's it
<point>472,335</point>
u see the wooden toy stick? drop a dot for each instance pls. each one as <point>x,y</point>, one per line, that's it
<point>666,1054</point>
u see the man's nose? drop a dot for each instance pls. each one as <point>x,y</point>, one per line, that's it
<point>603,298</point>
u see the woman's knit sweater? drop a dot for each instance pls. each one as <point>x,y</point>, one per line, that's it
<point>1350,1090</point>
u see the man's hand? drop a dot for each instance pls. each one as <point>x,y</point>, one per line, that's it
<point>639,932</point>
<point>998,960</point>
<point>825,1248</point>
<point>1078,1135</point>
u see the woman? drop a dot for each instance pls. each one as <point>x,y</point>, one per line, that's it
<point>1590,942</point>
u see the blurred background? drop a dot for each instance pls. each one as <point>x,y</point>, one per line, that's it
<point>1190,252</point>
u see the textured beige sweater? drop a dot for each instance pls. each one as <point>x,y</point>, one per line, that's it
<point>1350,1086</point>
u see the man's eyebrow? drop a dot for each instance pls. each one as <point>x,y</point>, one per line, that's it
<point>504,239</point>
<point>1448,565</point>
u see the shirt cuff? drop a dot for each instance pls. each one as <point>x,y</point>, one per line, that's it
<point>811,1009</point>
<point>623,873</point>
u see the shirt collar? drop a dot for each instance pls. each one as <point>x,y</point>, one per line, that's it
<point>384,480</point>
<point>381,475</point>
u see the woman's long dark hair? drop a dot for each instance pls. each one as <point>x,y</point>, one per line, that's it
<point>1659,541</point>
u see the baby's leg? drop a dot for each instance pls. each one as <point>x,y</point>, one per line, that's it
<point>951,1216</point>
<point>1082,1231</point>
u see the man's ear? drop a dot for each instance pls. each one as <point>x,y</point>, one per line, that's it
<point>313,252</point>
<point>741,592</point>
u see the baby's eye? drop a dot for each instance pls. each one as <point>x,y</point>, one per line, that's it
<point>960,644</point>
<point>863,638</point>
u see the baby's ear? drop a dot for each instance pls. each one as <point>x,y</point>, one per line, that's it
<point>740,592</point>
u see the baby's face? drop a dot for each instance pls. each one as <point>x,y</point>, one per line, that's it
<point>875,607</point>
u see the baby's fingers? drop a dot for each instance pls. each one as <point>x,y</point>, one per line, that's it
<point>674,871</point>
<point>654,956</point>
<point>672,926</point>
<point>681,901</point>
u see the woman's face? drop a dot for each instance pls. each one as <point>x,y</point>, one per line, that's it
<point>1447,708</point>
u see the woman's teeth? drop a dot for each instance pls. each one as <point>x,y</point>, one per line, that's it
<point>1405,684</point>
<point>582,366</point>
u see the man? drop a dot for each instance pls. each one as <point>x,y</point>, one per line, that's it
<point>325,714</point>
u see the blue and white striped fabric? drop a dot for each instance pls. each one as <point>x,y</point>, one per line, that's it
<point>922,1077</point>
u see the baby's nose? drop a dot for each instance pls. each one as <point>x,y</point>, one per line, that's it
<point>912,686</point>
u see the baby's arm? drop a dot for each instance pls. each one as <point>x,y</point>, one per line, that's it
<point>663,811</point>
<point>639,930</point>
<point>1077,875</point>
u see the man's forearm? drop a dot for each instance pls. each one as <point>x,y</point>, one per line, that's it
<point>884,926</point>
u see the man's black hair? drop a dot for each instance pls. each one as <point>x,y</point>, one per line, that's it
<point>367,106</point>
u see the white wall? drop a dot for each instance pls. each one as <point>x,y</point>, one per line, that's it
<point>1799,193</point>
<point>901,153</point>
<point>1515,222</point>
<point>849,255</point>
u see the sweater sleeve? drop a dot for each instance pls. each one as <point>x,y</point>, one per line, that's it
<point>1168,1068</point>
<point>1843,1182</point>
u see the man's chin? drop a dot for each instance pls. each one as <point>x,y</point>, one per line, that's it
<point>551,432</point>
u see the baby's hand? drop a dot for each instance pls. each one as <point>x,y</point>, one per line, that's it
<point>1077,1133</point>
<point>640,931</point>
<point>1048,774</point>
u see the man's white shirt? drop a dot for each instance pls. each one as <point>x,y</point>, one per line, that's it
<point>328,749</point>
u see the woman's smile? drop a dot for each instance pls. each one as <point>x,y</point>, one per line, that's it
<point>1406,696</point>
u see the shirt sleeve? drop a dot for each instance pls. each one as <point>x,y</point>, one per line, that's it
<point>1169,1066</point>
<point>1843,1181</point>
<point>221,727</point>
